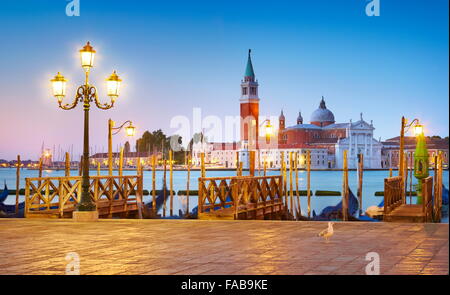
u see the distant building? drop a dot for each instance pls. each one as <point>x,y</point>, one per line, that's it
<point>390,150</point>
<point>130,159</point>
<point>322,136</point>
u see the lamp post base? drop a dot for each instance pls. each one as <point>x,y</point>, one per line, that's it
<point>85,216</point>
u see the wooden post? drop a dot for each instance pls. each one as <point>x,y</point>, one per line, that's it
<point>19,163</point>
<point>67,165</point>
<point>171,181</point>
<point>291,184</point>
<point>138,166</point>
<point>252,163</point>
<point>40,171</point>
<point>98,168</point>
<point>139,191</point>
<point>238,164</point>
<point>435,186</point>
<point>259,162</point>
<point>241,165</point>
<point>110,158</point>
<point>202,164</point>
<point>405,176</point>
<point>360,179</point>
<point>154,184</point>
<point>345,188</point>
<point>164,187</point>
<point>265,167</point>
<point>308,180</point>
<point>80,166</point>
<point>188,182</point>
<point>282,170</point>
<point>439,184</point>
<point>121,163</point>
<point>411,164</point>
<point>390,172</point>
<point>400,152</point>
<point>299,212</point>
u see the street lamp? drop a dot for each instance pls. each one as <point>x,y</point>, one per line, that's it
<point>269,130</point>
<point>268,133</point>
<point>86,94</point>
<point>130,130</point>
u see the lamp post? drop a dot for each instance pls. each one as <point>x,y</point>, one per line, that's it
<point>405,127</point>
<point>420,160</point>
<point>130,130</point>
<point>86,94</point>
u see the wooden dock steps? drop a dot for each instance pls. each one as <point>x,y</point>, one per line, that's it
<point>406,213</point>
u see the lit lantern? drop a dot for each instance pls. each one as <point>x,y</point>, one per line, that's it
<point>418,130</point>
<point>269,131</point>
<point>87,55</point>
<point>59,86</point>
<point>113,85</point>
<point>130,130</point>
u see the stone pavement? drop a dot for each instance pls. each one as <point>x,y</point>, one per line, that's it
<point>131,247</point>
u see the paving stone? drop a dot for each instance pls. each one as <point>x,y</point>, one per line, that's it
<point>157,247</point>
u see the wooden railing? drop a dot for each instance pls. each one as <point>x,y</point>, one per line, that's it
<point>60,195</point>
<point>243,194</point>
<point>393,193</point>
<point>427,198</point>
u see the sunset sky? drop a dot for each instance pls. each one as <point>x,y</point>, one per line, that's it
<point>174,56</point>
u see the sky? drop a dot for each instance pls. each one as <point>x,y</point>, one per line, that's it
<point>174,56</point>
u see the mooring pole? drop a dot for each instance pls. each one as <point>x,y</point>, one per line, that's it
<point>308,180</point>
<point>19,163</point>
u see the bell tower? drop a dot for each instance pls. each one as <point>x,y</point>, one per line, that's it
<point>281,127</point>
<point>249,108</point>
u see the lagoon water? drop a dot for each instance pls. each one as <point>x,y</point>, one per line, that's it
<point>320,180</point>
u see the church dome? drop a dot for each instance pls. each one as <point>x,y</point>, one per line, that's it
<point>322,116</point>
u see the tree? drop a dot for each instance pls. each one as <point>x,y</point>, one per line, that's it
<point>157,141</point>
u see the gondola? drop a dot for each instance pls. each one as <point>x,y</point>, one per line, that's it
<point>4,194</point>
<point>444,208</point>
<point>9,211</point>
<point>159,202</point>
<point>335,212</point>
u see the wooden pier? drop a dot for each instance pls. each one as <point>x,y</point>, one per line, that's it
<point>241,197</point>
<point>57,197</point>
<point>397,210</point>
